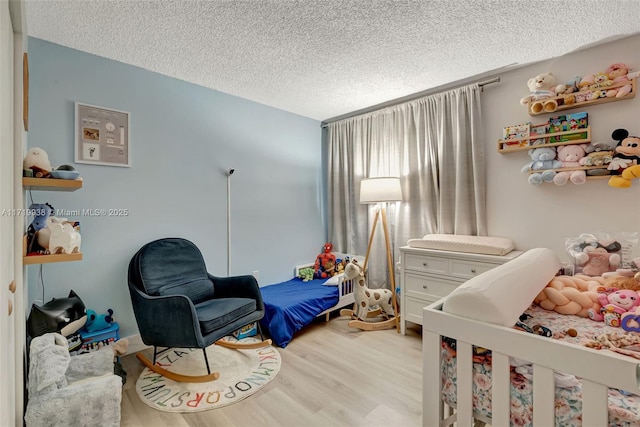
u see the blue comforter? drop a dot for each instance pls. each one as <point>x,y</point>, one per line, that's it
<point>291,305</point>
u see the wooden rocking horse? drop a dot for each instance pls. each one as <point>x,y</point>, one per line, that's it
<point>369,303</point>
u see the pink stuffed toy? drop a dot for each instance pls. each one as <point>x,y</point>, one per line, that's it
<point>618,74</point>
<point>570,156</point>
<point>596,260</point>
<point>614,304</point>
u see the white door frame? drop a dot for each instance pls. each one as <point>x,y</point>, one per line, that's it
<point>13,139</point>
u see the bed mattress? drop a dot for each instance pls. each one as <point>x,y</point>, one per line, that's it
<point>461,243</point>
<point>291,305</point>
<point>624,408</point>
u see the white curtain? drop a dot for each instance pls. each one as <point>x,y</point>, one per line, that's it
<point>434,144</point>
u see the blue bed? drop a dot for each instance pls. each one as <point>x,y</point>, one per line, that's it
<point>291,305</point>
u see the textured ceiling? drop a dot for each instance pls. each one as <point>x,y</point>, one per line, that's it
<point>325,58</point>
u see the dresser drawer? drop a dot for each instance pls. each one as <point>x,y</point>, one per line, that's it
<point>412,311</point>
<point>426,264</point>
<point>426,287</point>
<point>468,269</point>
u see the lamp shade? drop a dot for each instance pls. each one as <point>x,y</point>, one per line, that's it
<point>386,189</point>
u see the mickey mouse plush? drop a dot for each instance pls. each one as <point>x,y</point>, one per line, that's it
<point>626,160</point>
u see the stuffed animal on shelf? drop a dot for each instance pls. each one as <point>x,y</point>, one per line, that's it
<point>306,274</point>
<point>40,212</point>
<point>619,74</point>
<point>541,89</point>
<point>600,81</point>
<point>37,160</point>
<point>585,82</point>
<point>626,160</point>
<point>569,87</point>
<point>614,302</point>
<point>542,159</point>
<point>98,322</point>
<point>570,156</point>
<point>598,154</point>
<point>324,266</point>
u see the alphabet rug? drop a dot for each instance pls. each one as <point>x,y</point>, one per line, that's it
<point>242,374</point>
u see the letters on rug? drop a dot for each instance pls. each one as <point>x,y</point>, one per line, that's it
<point>242,374</point>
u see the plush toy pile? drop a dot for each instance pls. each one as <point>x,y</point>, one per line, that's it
<point>325,265</point>
<point>545,96</point>
<point>602,299</point>
<point>620,160</point>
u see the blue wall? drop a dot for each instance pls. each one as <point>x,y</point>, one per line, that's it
<point>183,139</point>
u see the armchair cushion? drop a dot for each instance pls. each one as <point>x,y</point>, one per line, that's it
<point>197,290</point>
<point>170,261</point>
<point>216,313</point>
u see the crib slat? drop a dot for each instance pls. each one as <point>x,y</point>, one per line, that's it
<point>500,389</point>
<point>595,410</point>
<point>543,397</point>
<point>464,383</point>
<point>431,380</point>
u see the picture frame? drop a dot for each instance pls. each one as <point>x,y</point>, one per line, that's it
<point>102,136</point>
<point>25,91</point>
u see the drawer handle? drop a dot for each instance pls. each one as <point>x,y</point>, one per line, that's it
<point>424,286</point>
<point>473,270</point>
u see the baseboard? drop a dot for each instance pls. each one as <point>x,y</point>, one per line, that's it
<point>135,344</point>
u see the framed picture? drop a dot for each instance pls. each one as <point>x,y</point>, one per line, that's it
<point>25,91</point>
<point>102,136</point>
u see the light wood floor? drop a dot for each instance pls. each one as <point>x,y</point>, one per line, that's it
<point>331,375</point>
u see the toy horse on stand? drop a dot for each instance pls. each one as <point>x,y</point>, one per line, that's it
<point>369,303</point>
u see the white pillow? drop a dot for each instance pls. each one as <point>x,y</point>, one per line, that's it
<point>502,294</point>
<point>333,281</point>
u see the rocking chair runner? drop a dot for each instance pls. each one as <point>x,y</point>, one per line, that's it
<point>177,303</point>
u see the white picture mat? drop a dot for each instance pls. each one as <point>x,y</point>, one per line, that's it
<point>102,136</point>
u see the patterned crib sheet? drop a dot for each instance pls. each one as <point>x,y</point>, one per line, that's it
<point>624,408</point>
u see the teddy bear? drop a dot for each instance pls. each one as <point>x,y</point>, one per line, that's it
<point>596,258</point>
<point>542,159</point>
<point>618,74</point>
<point>306,274</point>
<point>98,322</point>
<point>37,161</point>
<point>626,160</point>
<point>570,157</point>
<point>541,89</point>
<point>614,303</point>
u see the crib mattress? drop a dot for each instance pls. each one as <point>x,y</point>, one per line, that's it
<point>624,408</point>
<point>460,243</point>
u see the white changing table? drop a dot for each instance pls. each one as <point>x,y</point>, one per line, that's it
<point>427,275</point>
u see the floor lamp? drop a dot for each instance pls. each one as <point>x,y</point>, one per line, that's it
<point>381,191</point>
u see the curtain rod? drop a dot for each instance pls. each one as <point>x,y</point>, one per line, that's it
<point>412,97</point>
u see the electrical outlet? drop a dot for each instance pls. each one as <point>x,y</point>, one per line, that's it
<point>256,274</point>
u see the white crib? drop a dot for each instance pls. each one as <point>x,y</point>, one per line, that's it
<point>599,370</point>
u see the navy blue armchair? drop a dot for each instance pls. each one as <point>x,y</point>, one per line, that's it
<point>177,303</point>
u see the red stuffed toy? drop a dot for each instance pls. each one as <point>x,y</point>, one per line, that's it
<point>325,265</point>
